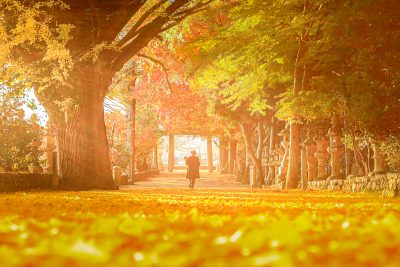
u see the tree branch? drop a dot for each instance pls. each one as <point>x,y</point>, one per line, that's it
<point>132,33</point>
<point>162,66</point>
<point>147,32</point>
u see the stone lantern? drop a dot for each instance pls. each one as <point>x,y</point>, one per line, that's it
<point>379,162</point>
<point>335,148</point>
<point>283,154</point>
<point>117,173</point>
<point>312,162</point>
<point>321,153</point>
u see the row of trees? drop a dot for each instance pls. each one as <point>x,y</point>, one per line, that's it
<point>258,64</point>
<point>300,62</point>
<point>164,103</point>
<point>69,51</point>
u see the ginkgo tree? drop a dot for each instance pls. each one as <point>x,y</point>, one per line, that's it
<point>326,58</point>
<point>69,51</point>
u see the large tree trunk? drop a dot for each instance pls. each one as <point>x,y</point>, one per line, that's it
<point>300,83</point>
<point>82,142</point>
<point>252,153</point>
<point>84,160</point>
<point>292,176</point>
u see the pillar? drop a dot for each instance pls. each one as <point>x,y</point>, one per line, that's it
<point>321,154</point>
<point>232,155</point>
<point>210,166</point>
<point>379,162</point>
<point>335,148</point>
<point>155,156</point>
<point>171,153</point>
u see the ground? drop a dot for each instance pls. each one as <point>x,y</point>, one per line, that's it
<point>160,222</point>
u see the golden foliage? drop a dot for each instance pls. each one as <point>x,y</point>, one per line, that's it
<point>178,227</point>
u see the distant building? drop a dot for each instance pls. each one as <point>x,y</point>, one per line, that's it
<point>186,143</point>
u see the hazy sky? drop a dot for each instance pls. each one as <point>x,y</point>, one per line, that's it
<point>40,112</point>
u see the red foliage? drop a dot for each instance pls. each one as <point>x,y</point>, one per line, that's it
<point>179,109</point>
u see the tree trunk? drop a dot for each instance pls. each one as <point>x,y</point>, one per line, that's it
<point>210,166</point>
<point>357,154</point>
<point>83,149</point>
<point>304,173</point>
<point>272,143</point>
<point>251,153</point>
<point>246,172</point>
<point>223,155</point>
<point>155,156</point>
<point>368,152</point>
<point>292,176</point>
<point>232,155</point>
<point>300,82</point>
<point>132,138</point>
<point>258,162</point>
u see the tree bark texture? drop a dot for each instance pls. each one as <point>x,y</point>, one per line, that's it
<point>81,136</point>
<point>292,176</point>
<point>82,139</point>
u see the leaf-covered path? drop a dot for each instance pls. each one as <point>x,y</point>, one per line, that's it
<point>177,180</point>
<point>201,227</point>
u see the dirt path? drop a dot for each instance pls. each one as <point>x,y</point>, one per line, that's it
<point>177,180</point>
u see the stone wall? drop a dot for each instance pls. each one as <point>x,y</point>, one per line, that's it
<point>141,176</point>
<point>384,184</point>
<point>11,182</point>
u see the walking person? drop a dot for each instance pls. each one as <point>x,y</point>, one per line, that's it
<point>193,172</point>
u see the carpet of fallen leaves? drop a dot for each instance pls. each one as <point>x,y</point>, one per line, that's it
<point>178,227</point>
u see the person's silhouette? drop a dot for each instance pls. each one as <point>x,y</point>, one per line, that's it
<point>193,172</point>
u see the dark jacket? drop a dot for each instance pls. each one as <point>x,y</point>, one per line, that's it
<point>193,164</point>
